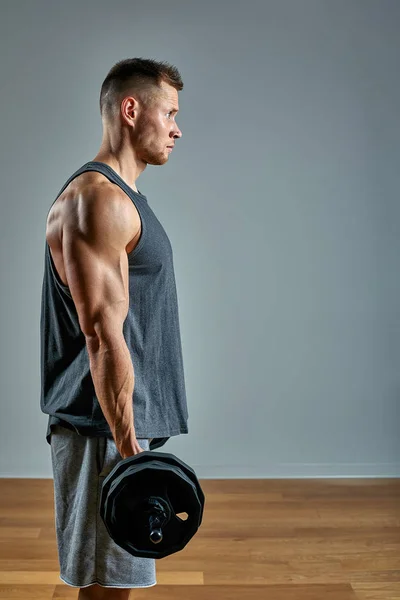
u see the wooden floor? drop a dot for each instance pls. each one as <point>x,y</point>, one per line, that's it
<point>260,540</point>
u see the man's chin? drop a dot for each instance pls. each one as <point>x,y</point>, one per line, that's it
<point>160,160</point>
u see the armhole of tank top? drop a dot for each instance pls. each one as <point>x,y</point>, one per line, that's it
<point>138,246</point>
<point>55,274</point>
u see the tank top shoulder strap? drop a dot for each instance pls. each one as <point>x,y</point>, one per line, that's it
<point>105,170</point>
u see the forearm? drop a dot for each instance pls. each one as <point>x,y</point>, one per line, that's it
<point>113,378</point>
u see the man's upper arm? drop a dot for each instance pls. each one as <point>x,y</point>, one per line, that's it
<point>95,234</point>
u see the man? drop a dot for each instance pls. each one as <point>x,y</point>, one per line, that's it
<point>111,357</point>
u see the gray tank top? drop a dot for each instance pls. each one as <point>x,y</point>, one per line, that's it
<point>151,331</point>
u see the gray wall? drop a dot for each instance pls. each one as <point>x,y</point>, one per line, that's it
<point>281,203</point>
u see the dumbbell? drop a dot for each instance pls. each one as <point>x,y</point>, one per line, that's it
<point>142,499</point>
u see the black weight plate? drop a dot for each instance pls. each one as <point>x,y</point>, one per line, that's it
<point>150,486</point>
<point>126,493</point>
<point>129,528</point>
<point>148,456</point>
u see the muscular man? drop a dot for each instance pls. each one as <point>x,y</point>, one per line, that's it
<point>111,357</point>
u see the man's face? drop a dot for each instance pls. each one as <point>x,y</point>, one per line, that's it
<point>156,128</point>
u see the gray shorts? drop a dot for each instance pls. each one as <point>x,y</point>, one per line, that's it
<point>87,554</point>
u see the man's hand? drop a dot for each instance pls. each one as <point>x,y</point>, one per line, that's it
<point>134,449</point>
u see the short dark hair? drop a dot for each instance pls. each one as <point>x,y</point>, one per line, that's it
<point>141,76</point>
